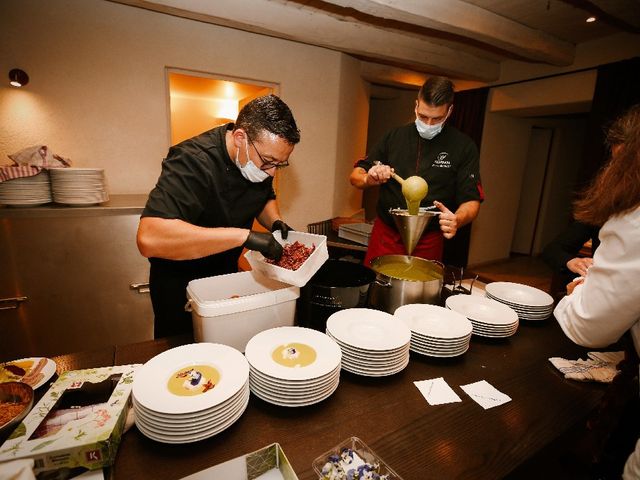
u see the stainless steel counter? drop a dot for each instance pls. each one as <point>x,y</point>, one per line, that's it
<point>117,205</point>
<point>68,278</point>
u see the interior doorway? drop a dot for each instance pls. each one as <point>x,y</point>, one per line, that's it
<point>549,181</point>
<point>533,184</point>
<point>200,101</point>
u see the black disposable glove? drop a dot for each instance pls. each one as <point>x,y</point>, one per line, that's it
<point>264,243</point>
<point>283,227</point>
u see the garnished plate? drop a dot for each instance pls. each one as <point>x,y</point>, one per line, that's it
<point>33,371</point>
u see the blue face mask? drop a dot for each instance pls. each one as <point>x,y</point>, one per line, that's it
<point>250,171</point>
<point>428,131</point>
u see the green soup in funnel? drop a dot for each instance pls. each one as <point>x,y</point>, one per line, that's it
<point>414,189</point>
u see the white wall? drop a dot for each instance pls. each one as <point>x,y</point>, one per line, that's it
<point>98,91</point>
<point>352,137</point>
<point>502,162</point>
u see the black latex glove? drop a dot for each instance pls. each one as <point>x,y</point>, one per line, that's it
<point>283,227</point>
<point>264,243</point>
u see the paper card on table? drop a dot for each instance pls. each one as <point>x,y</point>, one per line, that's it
<point>485,394</point>
<point>437,392</point>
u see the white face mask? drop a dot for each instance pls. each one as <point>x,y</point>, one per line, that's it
<point>428,131</point>
<point>250,171</point>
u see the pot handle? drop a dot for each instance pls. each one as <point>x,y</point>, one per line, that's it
<point>382,284</point>
<point>439,263</point>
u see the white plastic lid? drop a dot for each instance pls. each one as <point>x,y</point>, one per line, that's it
<point>236,292</point>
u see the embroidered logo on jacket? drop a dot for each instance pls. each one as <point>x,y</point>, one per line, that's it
<point>442,161</point>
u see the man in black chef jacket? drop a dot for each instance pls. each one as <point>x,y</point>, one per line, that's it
<point>199,215</point>
<point>444,157</point>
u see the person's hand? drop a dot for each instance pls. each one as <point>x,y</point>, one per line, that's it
<point>448,220</point>
<point>580,265</point>
<point>378,174</point>
<point>571,286</point>
<point>283,227</point>
<point>264,243</point>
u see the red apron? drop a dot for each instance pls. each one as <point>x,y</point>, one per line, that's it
<point>385,240</point>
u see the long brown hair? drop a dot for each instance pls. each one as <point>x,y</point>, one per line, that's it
<point>616,188</point>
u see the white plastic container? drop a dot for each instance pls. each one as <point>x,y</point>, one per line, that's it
<point>231,309</point>
<point>302,275</point>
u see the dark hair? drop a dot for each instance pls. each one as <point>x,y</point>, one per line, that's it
<point>271,114</point>
<point>616,188</point>
<point>437,91</point>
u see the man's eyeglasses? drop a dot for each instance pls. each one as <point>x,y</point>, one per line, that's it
<point>265,164</point>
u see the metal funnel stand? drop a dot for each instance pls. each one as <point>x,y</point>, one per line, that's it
<point>411,227</point>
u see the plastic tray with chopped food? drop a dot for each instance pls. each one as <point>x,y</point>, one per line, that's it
<point>297,246</point>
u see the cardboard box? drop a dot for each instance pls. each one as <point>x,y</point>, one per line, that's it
<point>269,460</point>
<point>77,423</point>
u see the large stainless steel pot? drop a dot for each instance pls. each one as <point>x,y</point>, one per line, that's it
<point>335,286</point>
<point>402,279</point>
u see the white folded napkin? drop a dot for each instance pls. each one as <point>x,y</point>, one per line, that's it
<point>600,367</point>
<point>436,391</point>
<point>485,394</point>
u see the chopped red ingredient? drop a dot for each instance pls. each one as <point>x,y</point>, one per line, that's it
<point>293,255</point>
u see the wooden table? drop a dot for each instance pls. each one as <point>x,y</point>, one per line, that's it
<point>460,440</point>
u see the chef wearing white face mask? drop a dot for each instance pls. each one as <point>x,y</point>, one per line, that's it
<point>202,210</point>
<point>268,164</point>
<point>446,158</point>
<point>429,119</point>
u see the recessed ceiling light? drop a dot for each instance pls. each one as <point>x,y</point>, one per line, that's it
<point>591,19</point>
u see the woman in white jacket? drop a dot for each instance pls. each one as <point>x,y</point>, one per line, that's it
<point>605,304</point>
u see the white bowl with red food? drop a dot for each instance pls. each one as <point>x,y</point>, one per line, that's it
<point>303,255</point>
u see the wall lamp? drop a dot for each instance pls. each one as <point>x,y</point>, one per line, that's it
<point>18,78</point>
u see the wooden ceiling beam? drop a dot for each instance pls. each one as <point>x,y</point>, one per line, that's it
<point>306,24</point>
<point>469,21</point>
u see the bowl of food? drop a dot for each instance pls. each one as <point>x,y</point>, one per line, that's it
<point>16,400</point>
<point>303,254</point>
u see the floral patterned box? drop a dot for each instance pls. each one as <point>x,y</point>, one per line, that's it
<point>77,423</point>
<point>269,462</point>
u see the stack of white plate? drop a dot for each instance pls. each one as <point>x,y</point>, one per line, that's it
<point>530,303</point>
<point>488,317</point>
<point>373,343</point>
<point>26,191</point>
<point>191,392</point>
<point>293,366</point>
<point>79,186</point>
<point>436,331</point>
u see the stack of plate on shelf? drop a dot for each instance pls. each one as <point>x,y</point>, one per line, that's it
<point>373,343</point>
<point>436,331</point>
<point>26,191</point>
<point>293,366</point>
<point>530,303</point>
<point>191,392</point>
<point>488,317</point>
<point>79,186</point>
